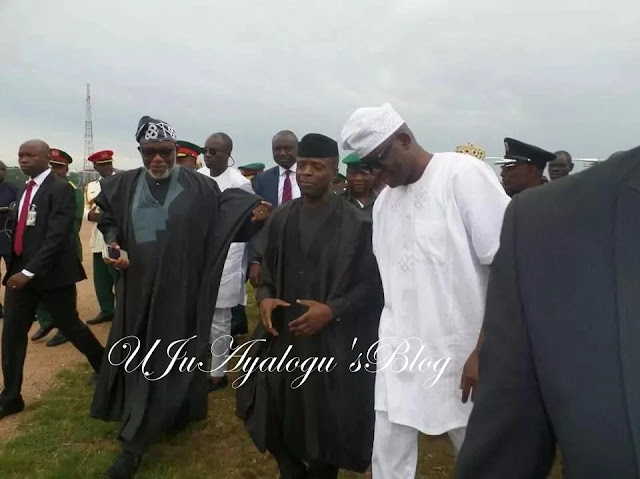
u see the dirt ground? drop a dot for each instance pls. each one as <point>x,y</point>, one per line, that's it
<point>42,362</point>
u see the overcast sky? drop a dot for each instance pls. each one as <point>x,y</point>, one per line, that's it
<point>562,74</point>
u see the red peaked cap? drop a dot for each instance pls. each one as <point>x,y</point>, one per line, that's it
<point>105,156</point>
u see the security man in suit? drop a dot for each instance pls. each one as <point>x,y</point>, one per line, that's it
<point>104,275</point>
<point>560,361</point>
<point>277,185</point>
<point>59,162</point>
<point>43,269</point>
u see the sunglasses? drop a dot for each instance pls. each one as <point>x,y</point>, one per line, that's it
<point>376,162</point>
<point>150,153</point>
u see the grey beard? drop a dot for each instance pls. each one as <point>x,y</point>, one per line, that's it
<point>162,176</point>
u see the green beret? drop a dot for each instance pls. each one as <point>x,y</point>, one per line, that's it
<point>352,160</point>
<point>252,166</point>
<point>186,148</point>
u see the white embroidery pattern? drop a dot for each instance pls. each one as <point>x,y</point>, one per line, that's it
<point>406,260</point>
<point>420,198</point>
<point>154,130</point>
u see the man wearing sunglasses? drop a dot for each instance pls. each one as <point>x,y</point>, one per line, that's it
<point>232,296</point>
<point>435,231</point>
<point>175,227</point>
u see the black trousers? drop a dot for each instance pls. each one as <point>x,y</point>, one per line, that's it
<point>293,468</point>
<point>20,308</point>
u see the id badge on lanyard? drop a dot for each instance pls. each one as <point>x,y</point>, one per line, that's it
<point>31,215</point>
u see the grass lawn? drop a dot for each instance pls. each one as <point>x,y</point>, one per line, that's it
<point>59,440</point>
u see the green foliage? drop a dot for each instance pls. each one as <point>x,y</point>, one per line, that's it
<point>16,176</point>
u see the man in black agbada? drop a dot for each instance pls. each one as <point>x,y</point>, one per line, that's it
<point>320,289</point>
<point>165,291</point>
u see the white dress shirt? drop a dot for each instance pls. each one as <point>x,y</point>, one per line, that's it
<point>38,181</point>
<point>295,190</point>
<point>434,241</point>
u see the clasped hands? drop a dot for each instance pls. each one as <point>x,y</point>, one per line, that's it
<point>312,321</point>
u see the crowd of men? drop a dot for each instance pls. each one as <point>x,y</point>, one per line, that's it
<point>425,280</point>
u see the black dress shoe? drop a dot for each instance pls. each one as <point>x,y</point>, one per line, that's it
<point>9,408</point>
<point>124,467</point>
<point>217,385</point>
<point>41,333</point>
<point>57,340</point>
<point>101,318</point>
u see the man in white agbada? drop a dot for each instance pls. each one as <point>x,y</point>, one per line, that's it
<point>435,232</point>
<point>232,292</point>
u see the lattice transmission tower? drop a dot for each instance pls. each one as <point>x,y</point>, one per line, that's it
<point>88,133</point>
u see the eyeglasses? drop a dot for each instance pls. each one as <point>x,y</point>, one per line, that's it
<point>150,153</point>
<point>376,162</point>
<point>213,151</point>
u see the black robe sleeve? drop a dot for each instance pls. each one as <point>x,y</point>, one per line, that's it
<point>266,288</point>
<point>248,229</point>
<point>106,222</point>
<point>366,286</point>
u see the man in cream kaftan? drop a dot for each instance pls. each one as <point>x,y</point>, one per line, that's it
<point>434,237</point>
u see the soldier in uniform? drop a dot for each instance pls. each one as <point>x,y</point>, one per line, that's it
<point>339,183</point>
<point>359,191</point>
<point>251,170</point>
<point>522,166</point>
<point>187,156</point>
<point>103,274</point>
<point>59,162</point>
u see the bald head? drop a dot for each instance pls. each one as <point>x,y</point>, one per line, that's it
<point>38,145</point>
<point>33,157</point>
<point>225,141</point>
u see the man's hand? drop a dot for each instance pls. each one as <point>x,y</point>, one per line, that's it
<point>18,281</point>
<point>93,215</point>
<point>469,380</point>
<point>266,308</point>
<point>119,263</point>
<point>254,274</point>
<point>315,319</point>
<point>261,212</point>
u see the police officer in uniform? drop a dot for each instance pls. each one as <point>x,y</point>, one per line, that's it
<point>359,190</point>
<point>522,166</point>
<point>103,274</point>
<point>59,162</point>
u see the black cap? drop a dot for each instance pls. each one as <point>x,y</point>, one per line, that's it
<point>315,145</point>
<point>516,151</point>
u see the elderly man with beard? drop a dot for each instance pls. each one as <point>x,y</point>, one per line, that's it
<point>175,227</point>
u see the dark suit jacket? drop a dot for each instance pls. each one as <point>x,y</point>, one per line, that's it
<point>560,363</point>
<point>266,185</point>
<point>50,245</point>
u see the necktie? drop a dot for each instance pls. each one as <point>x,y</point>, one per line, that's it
<point>286,191</point>
<point>22,219</point>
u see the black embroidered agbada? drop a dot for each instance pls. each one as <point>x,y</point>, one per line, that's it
<point>330,418</point>
<point>177,233</point>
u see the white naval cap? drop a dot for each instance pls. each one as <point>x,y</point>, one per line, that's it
<point>368,128</point>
